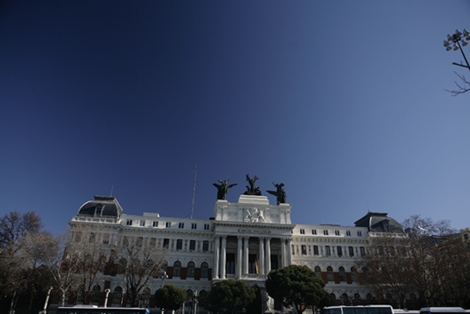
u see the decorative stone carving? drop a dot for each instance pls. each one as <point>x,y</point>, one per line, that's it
<point>254,214</point>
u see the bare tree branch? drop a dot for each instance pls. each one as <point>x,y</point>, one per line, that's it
<point>462,87</point>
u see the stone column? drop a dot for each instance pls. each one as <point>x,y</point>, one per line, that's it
<point>289,252</point>
<point>223,256</point>
<point>261,257</point>
<point>239,257</point>
<point>246,253</point>
<point>216,257</point>
<point>268,255</point>
<point>283,252</point>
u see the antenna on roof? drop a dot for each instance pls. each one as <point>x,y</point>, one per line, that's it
<point>194,192</point>
<point>112,188</point>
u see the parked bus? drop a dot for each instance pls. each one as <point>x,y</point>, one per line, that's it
<point>405,311</point>
<point>101,310</point>
<point>442,310</point>
<point>359,309</point>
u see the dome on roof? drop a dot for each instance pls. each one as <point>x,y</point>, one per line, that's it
<point>379,222</point>
<point>101,206</point>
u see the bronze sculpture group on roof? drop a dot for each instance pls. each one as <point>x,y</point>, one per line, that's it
<point>251,189</point>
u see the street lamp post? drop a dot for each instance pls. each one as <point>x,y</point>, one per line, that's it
<point>164,276</point>
<point>455,42</point>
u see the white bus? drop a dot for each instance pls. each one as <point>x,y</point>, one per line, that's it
<point>358,309</point>
<point>442,310</point>
<point>101,310</point>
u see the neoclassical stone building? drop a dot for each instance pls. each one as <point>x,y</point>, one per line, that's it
<point>244,240</point>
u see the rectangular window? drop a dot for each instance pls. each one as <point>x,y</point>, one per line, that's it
<point>348,233</point>
<point>91,239</point>
<point>359,233</point>
<point>252,264</point>
<point>314,231</point>
<point>230,263</point>
<point>337,232</point>
<point>274,262</point>
<point>351,251</point>
<point>168,224</point>
<point>327,250</point>
<point>155,224</point>
<point>106,238</point>
<point>362,250</point>
<point>166,243</point>
<point>181,225</point>
<point>206,226</point>
<point>325,232</point>
<point>193,226</point>
<point>339,249</point>
<point>179,244</point>
<point>192,245</point>
<point>153,242</point>
<point>315,250</point>
<point>142,223</point>
<point>205,246</point>
<point>129,222</point>
<point>139,241</point>
<point>304,250</point>
<point>302,231</point>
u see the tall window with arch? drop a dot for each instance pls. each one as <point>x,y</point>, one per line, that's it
<point>342,274</point>
<point>318,271</point>
<point>190,270</point>
<point>177,269</point>
<point>329,273</point>
<point>204,270</point>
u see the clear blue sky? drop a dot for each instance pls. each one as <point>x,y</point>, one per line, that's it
<point>342,101</point>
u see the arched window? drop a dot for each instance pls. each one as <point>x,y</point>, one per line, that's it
<point>357,299</point>
<point>202,296</point>
<point>318,271</point>
<point>146,296</point>
<point>190,270</point>
<point>344,299</point>
<point>333,297</point>
<point>117,296</point>
<point>329,273</point>
<point>204,270</point>
<point>95,294</point>
<point>177,269</point>
<point>189,295</point>
<point>78,236</point>
<point>353,274</point>
<point>342,276</point>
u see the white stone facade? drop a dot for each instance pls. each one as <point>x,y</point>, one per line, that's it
<point>244,240</point>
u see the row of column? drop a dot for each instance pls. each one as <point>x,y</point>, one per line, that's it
<point>243,253</point>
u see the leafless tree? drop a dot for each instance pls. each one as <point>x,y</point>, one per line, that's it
<point>428,261</point>
<point>462,87</point>
<point>15,263</point>
<point>76,263</point>
<point>138,262</point>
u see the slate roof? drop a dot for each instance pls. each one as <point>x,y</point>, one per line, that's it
<point>379,222</point>
<point>101,206</point>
